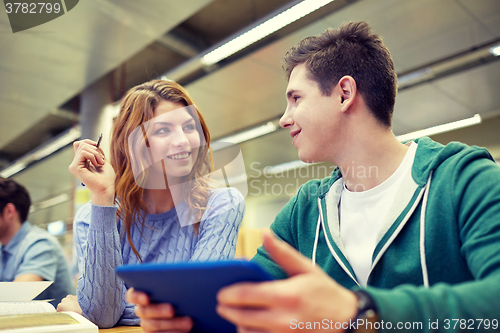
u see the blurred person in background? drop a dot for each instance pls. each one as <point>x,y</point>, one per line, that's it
<point>27,252</point>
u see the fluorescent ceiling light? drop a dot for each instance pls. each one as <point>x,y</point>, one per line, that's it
<point>50,202</point>
<point>12,169</point>
<point>476,119</point>
<point>45,150</point>
<point>414,77</point>
<point>57,228</point>
<point>495,50</point>
<point>57,143</point>
<point>250,134</point>
<point>264,29</point>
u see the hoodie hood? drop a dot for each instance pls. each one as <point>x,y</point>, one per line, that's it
<point>429,156</point>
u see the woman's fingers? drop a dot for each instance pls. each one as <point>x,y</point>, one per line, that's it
<point>85,152</point>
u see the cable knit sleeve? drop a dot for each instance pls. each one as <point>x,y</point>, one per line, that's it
<point>101,294</point>
<point>219,226</point>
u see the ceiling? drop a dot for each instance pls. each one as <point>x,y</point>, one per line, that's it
<point>45,69</point>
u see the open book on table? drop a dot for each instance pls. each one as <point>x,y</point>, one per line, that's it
<point>18,314</point>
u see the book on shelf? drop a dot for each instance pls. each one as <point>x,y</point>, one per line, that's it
<point>19,314</point>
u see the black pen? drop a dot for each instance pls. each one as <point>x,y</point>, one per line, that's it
<point>99,141</point>
<point>97,146</point>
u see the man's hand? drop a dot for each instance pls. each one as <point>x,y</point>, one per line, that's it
<point>308,295</point>
<point>157,317</point>
<point>69,303</point>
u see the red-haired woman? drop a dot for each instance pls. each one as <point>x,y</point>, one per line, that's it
<point>155,191</point>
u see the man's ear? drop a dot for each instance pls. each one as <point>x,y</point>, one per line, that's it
<point>9,210</point>
<point>348,91</point>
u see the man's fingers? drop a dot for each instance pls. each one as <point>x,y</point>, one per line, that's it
<point>250,330</point>
<point>251,294</point>
<point>289,259</point>
<point>252,320</point>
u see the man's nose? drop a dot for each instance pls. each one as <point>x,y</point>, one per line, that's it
<point>286,119</point>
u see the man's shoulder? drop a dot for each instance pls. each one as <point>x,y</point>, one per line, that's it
<point>317,188</point>
<point>305,202</point>
<point>37,237</point>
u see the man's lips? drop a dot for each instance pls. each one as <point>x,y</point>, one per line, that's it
<point>293,134</point>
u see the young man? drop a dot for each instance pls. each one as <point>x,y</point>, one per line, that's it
<point>406,236</point>
<point>28,253</point>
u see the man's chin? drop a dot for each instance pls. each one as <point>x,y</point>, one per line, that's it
<point>306,159</point>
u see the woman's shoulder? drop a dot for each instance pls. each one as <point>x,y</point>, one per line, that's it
<point>227,195</point>
<point>224,200</point>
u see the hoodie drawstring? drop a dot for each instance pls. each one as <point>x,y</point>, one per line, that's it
<point>423,261</point>
<point>316,241</point>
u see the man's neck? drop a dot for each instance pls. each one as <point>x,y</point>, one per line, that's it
<point>10,233</point>
<point>371,159</point>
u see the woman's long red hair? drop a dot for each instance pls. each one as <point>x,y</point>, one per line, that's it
<point>136,109</point>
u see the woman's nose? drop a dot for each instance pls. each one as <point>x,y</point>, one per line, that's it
<point>180,139</point>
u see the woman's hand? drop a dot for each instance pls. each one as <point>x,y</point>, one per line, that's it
<point>92,168</point>
<point>157,317</point>
<point>69,303</point>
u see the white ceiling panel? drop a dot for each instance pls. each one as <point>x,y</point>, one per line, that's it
<point>487,13</point>
<point>473,88</point>
<point>425,106</point>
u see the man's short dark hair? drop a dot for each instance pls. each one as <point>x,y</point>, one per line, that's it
<point>12,192</point>
<point>350,50</point>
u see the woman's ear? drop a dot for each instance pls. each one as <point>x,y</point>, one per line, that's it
<point>347,90</point>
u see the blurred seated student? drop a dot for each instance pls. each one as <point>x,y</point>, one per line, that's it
<point>27,252</point>
<point>152,202</point>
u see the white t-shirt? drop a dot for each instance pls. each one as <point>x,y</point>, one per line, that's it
<point>362,214</point>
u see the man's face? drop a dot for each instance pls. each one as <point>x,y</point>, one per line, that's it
<point>310,117</point>
<point>4,226</point>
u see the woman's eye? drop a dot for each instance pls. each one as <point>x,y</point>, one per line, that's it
<point>162,130</point>
<point>189,127</point>
<point>295,98</point>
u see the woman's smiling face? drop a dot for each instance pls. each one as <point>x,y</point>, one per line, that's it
<point>173,139</point>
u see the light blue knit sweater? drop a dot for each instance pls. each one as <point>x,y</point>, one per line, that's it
<point>102,246</point>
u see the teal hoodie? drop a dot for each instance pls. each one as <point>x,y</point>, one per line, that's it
<point>438,253</point>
